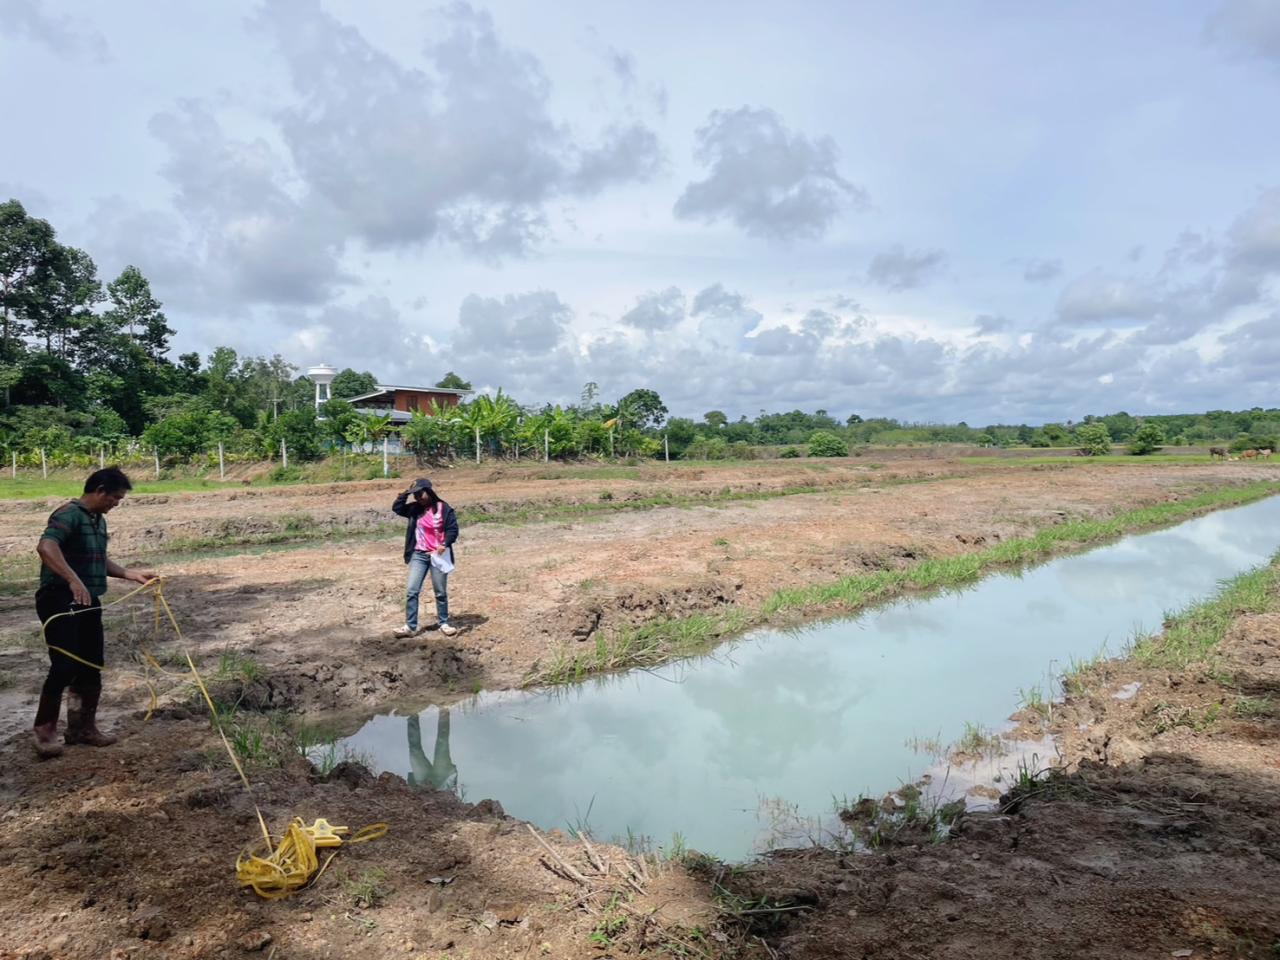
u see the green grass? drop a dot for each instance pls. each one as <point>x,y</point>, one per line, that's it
<point>951,572</point>
<point>1110,459</point>
<point>978,741</point>
<point>1192,635</point>
<point>646,645</point>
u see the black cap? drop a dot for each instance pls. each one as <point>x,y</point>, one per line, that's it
<point>419,485</point>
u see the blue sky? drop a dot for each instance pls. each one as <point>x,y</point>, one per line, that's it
<point>978,210</point>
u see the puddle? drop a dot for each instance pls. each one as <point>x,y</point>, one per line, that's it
<point>715,753</point>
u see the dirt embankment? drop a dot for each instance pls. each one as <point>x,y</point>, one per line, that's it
<point>1158,840</point>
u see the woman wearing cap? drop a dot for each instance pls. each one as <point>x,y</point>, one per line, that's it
<point>428,545</point>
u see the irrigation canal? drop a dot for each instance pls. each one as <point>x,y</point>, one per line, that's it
<point>713,749</point>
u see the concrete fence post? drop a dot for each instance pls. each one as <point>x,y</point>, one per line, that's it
<point>222,468</point>
<point>44,465</point>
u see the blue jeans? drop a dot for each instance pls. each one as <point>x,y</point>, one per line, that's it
<point>419,564</point>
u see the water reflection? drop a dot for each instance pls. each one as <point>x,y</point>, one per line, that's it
<point>439,772</point>
<point>701,747</point>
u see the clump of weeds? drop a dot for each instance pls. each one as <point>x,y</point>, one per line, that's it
<point>1252,708</point>
<point>367,889</point>
<point>978,741</point>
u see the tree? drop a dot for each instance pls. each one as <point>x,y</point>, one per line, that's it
<point>642,409</point>
<point>715,418</point>
<point>1093,438</point>
<point>1146,439</point>
<point>26,245</point>
<point>61,296</point>
<point>826,444</point>
<point>348,383</point>
<point>451,381</point>
<point>136,310</point>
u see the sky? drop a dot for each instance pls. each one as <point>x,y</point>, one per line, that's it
<point>990,211</point>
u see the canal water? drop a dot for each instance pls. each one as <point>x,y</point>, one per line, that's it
<point>713,752</point>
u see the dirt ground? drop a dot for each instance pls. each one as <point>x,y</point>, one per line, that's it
<point>128,850</point>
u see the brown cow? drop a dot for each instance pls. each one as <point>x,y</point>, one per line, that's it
<point>1249,454</point>
<point>1218,452</point>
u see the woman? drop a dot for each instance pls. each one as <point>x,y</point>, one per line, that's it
<point>428,545</point>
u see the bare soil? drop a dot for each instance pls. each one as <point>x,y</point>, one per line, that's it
<point>128,850</point>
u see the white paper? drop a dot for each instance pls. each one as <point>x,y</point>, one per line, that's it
<point>442,562</point>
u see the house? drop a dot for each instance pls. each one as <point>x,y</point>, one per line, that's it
<point>403,402</point>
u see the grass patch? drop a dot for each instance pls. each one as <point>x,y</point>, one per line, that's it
<point>643,646</point>
<point>978,741</point>
<point>1253,708</point>
<point>1192,635</point>
<point>952,572</point>
<point>368,889</point>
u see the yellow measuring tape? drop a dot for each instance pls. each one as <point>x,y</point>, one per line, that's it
<point>272,870</point>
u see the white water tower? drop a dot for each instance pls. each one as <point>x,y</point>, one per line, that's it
<point>322,376</point>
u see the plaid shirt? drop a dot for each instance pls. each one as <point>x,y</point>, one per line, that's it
<point>83,538</point>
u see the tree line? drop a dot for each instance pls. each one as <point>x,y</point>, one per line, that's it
<point>85,368</point>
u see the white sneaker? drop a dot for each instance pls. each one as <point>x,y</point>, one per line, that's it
<point>448,630</point>
<point>405,631</point>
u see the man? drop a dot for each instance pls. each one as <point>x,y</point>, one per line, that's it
<point>428,546</point>
<point>73,576</point>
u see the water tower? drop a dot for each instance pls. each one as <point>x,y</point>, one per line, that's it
<point>322,376</point>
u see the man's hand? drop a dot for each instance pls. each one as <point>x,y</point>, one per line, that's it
<point>141,576</point>
<point>441,550</point>
<point>79,595</point>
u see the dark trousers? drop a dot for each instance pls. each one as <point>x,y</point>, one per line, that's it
<point>80,635</point>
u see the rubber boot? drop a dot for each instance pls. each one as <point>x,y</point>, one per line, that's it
<point>82,720</point>
<point>44,731</point>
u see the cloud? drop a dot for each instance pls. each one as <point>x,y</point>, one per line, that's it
<point>724,317</point>
<point>527,323</point>
<point>986,323</point>
<point>656,311</point>
<point>896,269</point>
<point>27,19</point>
<point>1249,28</point>
<point>462,148</point>
<point>628,154</point>
<point>1041,271</point>
<point>768,180</point>
<point>255,240</point>
<point>1102,298</point>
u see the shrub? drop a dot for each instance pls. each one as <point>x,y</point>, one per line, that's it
<point>790,453</point>
<point>1146,440</point>
<point>1253,441</point>
<point>824,444</point>
<point>1094,439</point>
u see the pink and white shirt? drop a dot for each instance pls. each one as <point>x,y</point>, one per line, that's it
<point>430,529</point>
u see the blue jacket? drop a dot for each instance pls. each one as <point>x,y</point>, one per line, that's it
<point>413,509</point>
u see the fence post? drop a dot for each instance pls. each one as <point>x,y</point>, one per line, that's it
<point>611,444</point>
<point>102,457</point>
<point>222,469</point>
<point>386,471</point>
<point>156,451</point>
<point>44,464</point>
<point>666,449</point>
<point>477,444</point>
<point>546,446</point>
<point>284,455</point>
<point>15,464</point>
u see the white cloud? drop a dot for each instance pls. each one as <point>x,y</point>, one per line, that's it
<point>767,179</point>
<point>897,269</point>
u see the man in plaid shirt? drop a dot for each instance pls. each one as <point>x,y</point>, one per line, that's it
<point>73,576</point>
